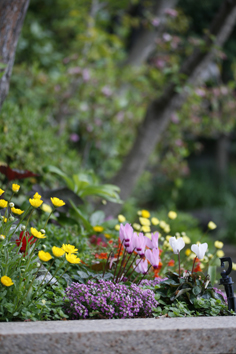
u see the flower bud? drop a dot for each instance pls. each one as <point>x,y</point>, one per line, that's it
<point>38,264</point>
<point>2,217</point>
<point>23,270</point>
<point>11,218</point>
<point>2,237</point>
<point>44,247</point>
<point>22,227</point>
<point>11,205</point>
<point>43,231</point>
<point>23,259</point>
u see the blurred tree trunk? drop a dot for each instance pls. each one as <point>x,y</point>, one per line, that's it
<point>159,111</point>
<point>222,155</point>
<point>144,45</point>
<point>12,14</point>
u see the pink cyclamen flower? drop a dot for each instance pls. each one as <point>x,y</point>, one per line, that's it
<point>153,257</point>
<point>153,243</point>
<point>141,266</point>
<point>140,243</point>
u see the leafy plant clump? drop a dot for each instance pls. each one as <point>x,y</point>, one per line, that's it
<point>104,299</point>
<point>191,295</point>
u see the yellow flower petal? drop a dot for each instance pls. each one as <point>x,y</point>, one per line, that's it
<point>211,225</point>
<point>1,191</point>
<point>71,258</point>
<point>35,202</point>
<point>188,252</point>
<point>144,221</point>
<point>218,244</point>
<point>145,214</point>
<point>3,203</point>
<point>172,215</point>
<point>154,221</point>
<point>136,226</point>
<point>146,228</point>
<point>57,202</point>
<point>220,253</point>
<point>121,218</point>
<point>15,188</point>
<point>44,256</point>
<point>17,211</point>
<point>117,227</point>
<point>6,281</point>
<point>98,228</point>
<point>57,252</point>
<point>69,248</point>
<point>37,196</point>
<point>36,233</point>
<point>45,207</point>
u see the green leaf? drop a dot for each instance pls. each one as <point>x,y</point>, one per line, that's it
<point>196,290</point>
<point>212,273</point>
<point>97,218</point>
<point>80,215</point>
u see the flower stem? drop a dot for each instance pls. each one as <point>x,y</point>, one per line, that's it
<point>194,264</point>
<point>131,263</point>
<point>106,264</point>
<point>134,269</point>
<point>179,263</point>
<point>118,258</point>
<point>145,274</point>
<point>121,264</point>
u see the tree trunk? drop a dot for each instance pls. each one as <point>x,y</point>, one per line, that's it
<point>145,44</point>
<point>12,14</point>
<point>159,111</point>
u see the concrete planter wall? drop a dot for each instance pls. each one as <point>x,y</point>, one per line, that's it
<point>147,336</point>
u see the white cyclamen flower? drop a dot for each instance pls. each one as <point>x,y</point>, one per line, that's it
<point>200,249</point>
<point>176,244</point>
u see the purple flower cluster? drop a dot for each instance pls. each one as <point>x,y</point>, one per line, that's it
<point>105,299</point>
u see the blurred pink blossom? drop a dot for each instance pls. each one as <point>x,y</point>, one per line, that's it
<point>167,37</point>
<point>75,70</point>
<point>107,91</point>
<point>179,142</point>
<point>155,21</point>
<point>171,12</point>
<point>74,137</point>
<point>174,118</point>
<point>200,92</point>
<point>86,75</point>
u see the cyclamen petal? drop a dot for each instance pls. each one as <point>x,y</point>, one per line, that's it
<point>153,257</point>
<point>176,244</point>
<point>200,249</point>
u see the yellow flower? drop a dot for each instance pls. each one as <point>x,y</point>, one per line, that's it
<point>149,235</point>
<point>69,248</point>
<point>162,224</point>
<point>71,258</point>
<point>154,221</point>
<point>57,252</point>
<point>145,214</point>
<point>5,219</point>
<point>44,256</point>
<point>172,215</point>
<point>1,191</point>
<point>168,237</point>
<point>2,237</point>
<point>167,229</point>
<point>139,213</point>
<point>188,252</point>
<point>220,253</point>
<point>17,211</point>
<point>211,225</point>
<point>6,281</point>
<point>36,233</point>
<point>35,202</point>
<point>117,227</point>
<point>57,202</point>
<point>218,244</point>
<point>210,256</point>
<point>234,266</point>
<point>186,239</point>
<point>3,203</point>
<point>45,207</point>
<point>146,228</point>
<point>98,228</point>
<point>192,256</point>
<point>121,218</point>
<point>15,188</point>
<point>37,196</point>
<point>144,221</point>
<point>107,235</point>
<point>136,226</point>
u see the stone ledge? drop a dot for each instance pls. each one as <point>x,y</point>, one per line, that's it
<point>211,335</point>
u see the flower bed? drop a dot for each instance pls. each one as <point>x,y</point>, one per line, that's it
<point>135,278</point>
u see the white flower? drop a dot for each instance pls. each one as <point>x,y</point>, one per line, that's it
<point>200,249</point>
<point>176,244</point>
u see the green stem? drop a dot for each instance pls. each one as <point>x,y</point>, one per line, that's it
<point>179,262</point>
<point>194,264</point>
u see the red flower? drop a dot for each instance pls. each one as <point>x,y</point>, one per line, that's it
<point>25,240</point>
<point>102,255</point>
<point>171,263</point>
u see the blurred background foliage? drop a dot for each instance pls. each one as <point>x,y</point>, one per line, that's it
<point>74,104</point>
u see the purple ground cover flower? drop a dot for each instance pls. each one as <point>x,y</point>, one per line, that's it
<point>108,300</point>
